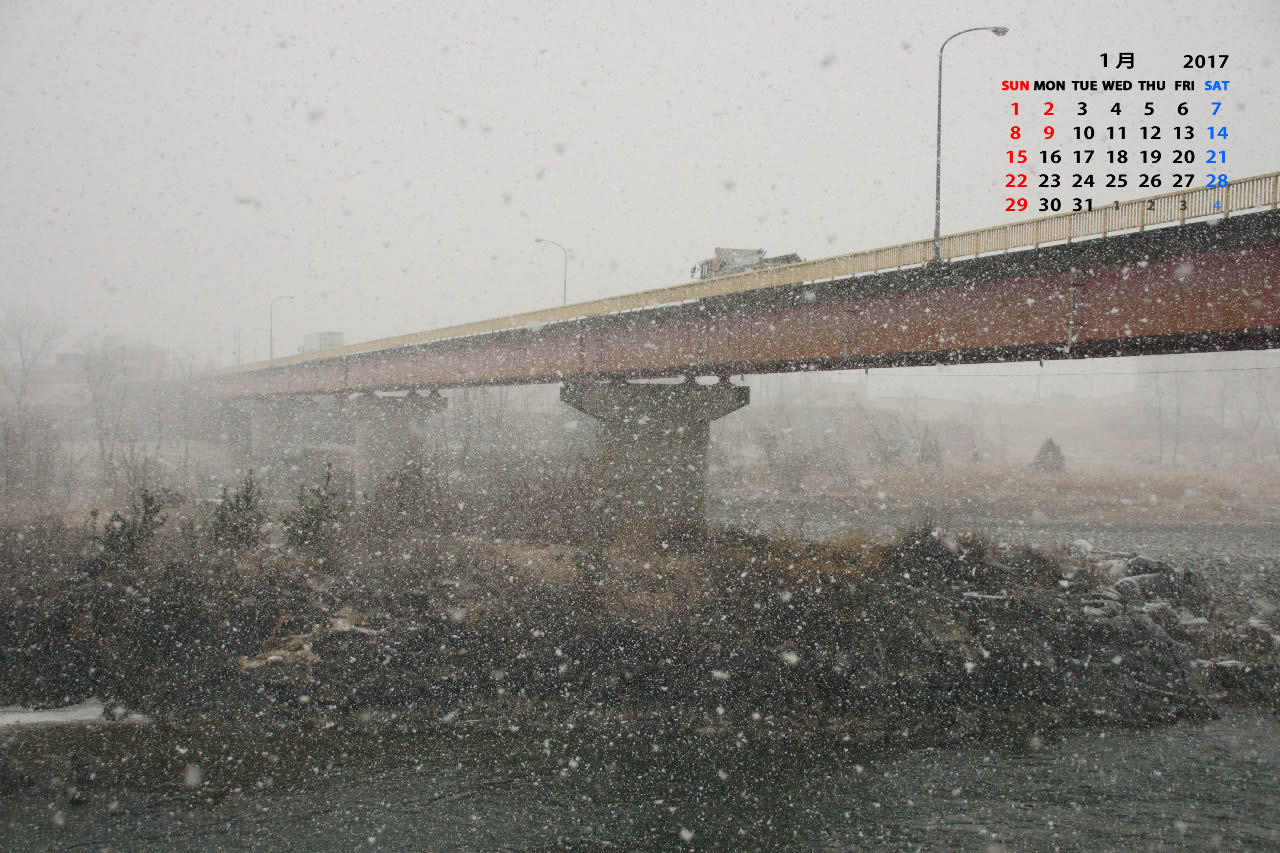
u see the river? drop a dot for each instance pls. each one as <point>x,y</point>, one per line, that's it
<point>1184,787</point>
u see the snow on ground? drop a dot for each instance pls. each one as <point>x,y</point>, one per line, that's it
<point>88,711</point>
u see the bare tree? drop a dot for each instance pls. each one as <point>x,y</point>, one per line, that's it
<point>1149,376</point>
<point>32,453</point>
<point>1260,387</point>
<point>974,433</point>
<point>184,401</point>
<point>107,373</point>
<point>1179,391</point>
<point>27,336</point>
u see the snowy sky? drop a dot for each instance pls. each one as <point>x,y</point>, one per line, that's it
<point>170,167</point>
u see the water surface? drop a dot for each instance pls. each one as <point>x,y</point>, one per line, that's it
<point>1186,787</point>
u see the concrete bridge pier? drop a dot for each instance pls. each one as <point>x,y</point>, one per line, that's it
<point>235,429</point>
<point>255,430</point>
<point>651,465</point>
<point>258,432</point>
<point>385,434</point>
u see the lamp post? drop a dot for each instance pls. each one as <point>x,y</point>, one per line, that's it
<point>937,197</point>
<point>566,264</point>
<point>271,327</point>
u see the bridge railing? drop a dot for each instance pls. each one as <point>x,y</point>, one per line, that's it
<point>1176,207</point>
<point>1138,214</point>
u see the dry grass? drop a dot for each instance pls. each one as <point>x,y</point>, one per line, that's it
<point>1128,493</point>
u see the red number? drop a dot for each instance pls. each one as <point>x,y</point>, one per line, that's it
<point>1015,108</point>
<point>1015,180</point>
<point>1015,204</point>
<point>1015,132</point>
<point>1048,108</point>
<point>1021,156</point>
<point>1048,133</point>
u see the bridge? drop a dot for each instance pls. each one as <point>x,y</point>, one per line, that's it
<point>1189,271</point>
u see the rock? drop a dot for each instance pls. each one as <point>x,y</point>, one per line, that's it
<point>1102,609</point>
<point>945,632</point>
<point>1136,589</point>
<point>1106,592</point>
<point>1195,594</point>
<point>1186,619</point>
<point>1263,605</point>
<point>1081,547</point>
<point>1180,587</point>
<point>1248,640</point>
<point>1113,569</point>
<point>1243,681</point>
<point>1138,674</point>
<point>1141,565</point>
<point>1163,614</point>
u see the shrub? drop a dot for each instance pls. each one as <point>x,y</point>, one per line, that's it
<point>1049,457</point>
<point>412,499</point>
<point>124,539</point>
<point>314,526</point>
<point>237,521</point>
<point>930,450</point>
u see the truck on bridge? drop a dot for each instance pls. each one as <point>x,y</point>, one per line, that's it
<point>729,261</point>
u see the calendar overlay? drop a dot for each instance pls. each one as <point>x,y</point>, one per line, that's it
<point>1076,145</point>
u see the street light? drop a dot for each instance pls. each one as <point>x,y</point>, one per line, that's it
<point>271,327</point>
<point>566,264</point>
<point>937,197</point>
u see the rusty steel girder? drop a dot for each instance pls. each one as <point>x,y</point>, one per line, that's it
<point>1199,287</point>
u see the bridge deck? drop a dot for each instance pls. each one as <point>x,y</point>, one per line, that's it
<point>1201,285</point>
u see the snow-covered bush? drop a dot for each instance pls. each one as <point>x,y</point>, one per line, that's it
<point>237,521</point>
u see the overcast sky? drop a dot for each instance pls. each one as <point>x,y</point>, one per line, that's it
<point>170,167</point>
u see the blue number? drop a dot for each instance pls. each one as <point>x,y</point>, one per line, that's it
<point>1217,105</point>
<point>1218,132</point>
<point>1217,205</point>
<point>1216,156</point>
<point>1217,180</point>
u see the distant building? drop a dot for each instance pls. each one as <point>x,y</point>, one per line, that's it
<point>133,360</point>
<point>64,381</point>
<point>316,341</point>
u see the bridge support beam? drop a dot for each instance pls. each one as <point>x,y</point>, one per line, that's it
<point>651,465</point>
<point>385,436</point>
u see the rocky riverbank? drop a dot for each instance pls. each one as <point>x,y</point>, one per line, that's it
<point>927,639</point>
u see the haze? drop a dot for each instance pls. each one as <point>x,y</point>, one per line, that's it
<point>169,169</point>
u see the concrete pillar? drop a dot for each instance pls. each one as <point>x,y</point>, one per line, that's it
<point>651,467</point>
<point>235,424</point>
<point>385,436</point>
<point>262,432</point>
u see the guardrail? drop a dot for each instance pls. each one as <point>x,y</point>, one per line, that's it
<point>1246,194</point>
